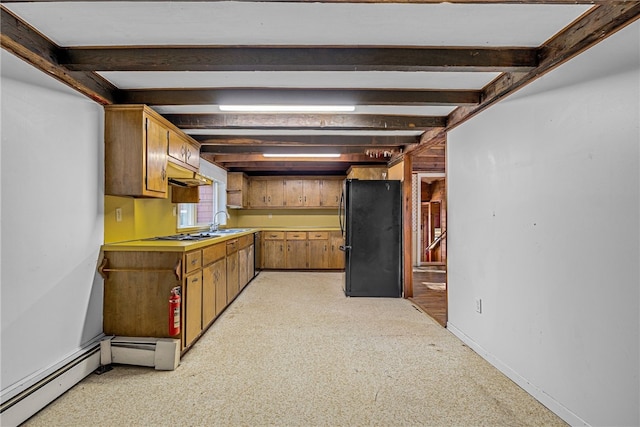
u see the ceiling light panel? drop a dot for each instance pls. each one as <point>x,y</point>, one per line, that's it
<point>302,132</point>
<point>427,110</point>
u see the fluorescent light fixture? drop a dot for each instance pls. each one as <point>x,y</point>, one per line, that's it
<point>287,108</point>
<point>300,155</point>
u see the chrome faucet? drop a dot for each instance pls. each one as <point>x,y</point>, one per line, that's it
<point>215,225</point>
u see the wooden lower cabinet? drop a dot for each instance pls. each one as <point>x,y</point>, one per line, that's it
<point>273,250</point>
<point>232,270</point>
<point>301,250</point>
<point>336,256</point>
<point>221,287</point>
<point>297,256</point>
<point>192,295</point>
<point>138,284</point>
<point>214,277</point>
<point>318,250</point>
<point>137,288</point>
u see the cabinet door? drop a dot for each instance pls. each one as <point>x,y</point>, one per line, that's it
<point>251,263</point>
<point>275,192</point>
<point>232,276</point>
<point>318,254</point>
<point>311,193</point>
<point>193,307</point>
<point>297,254</point>
<point>221,285</point>
<point>243,268</point>
<point>336,256</point>
<point>293,192</point>
<point>273,256</point>
<point>176,148</point>
<point>258,193</point>
<point>192,154</point>
<point>330,191</point>
<point>157,140</point>
<point>210,275</point>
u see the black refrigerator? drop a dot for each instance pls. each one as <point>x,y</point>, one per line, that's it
<point>371,222</point>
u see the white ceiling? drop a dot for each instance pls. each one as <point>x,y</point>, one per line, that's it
<point>279,23</point>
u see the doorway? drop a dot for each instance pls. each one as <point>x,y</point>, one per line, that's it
<point>430,252</point>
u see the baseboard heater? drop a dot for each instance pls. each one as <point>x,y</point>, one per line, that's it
<point>161,353</point>
<point>27,397</point>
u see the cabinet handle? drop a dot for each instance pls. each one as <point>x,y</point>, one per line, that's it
<point>288,248</point>
<point>325,248</point>
<point>280,248</point>
<point>264,199</point>
<point>193,261</point>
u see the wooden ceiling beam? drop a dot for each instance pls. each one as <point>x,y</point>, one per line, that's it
<point>320,58</point>
<point>305,121</point>
<point>23,41</point>
<point>260,149</point>
<point>307,140</point>
<point>287,96</point>
<point>290,166</point>
<point>243,158</point>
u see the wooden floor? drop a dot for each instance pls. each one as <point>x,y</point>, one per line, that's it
<point>430,300</point>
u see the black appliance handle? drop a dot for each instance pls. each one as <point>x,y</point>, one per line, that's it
<point>344,248</point>
<point>340,211</point>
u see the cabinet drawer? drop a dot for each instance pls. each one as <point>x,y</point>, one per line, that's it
<point>273,235</point>
<point>318,235</point>
<point>245,241</point>
<point>296,235</point>
<point>232,246</point>
<point>193,261</point>
<point>213,253</point>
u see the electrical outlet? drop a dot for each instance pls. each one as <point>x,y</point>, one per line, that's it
<point>175,210</point>
<point>479,305</point>
<point>118,214</point>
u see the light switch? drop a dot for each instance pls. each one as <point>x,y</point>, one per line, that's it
<point>118,214</point>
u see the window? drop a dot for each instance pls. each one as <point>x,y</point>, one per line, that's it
<point>201,214</point>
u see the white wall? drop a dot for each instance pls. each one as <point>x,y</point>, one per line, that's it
<point>52,222</point>
<point>544,227</point>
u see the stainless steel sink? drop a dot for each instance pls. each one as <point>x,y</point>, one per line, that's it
<point>231,230</point>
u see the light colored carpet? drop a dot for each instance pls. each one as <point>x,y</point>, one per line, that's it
<point>292,350</point>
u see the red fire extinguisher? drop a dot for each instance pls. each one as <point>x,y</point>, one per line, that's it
<point>174,311</point>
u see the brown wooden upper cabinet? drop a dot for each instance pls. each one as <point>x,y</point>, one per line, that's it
<point>138,145</point>
<point>186,152</point>
<point>330,191</point>
<point>289,192</point>
<point>237,190</point>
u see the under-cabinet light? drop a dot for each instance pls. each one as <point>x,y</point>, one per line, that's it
<point>300,155</point>
<point>288,108</point>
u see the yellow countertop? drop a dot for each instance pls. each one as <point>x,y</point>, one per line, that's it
<point>300,228</point>
<point>151,245</point>
<point>189,245</point>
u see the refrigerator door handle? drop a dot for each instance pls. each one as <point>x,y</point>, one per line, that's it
<point>341,213</point>
<point>344,248</point>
